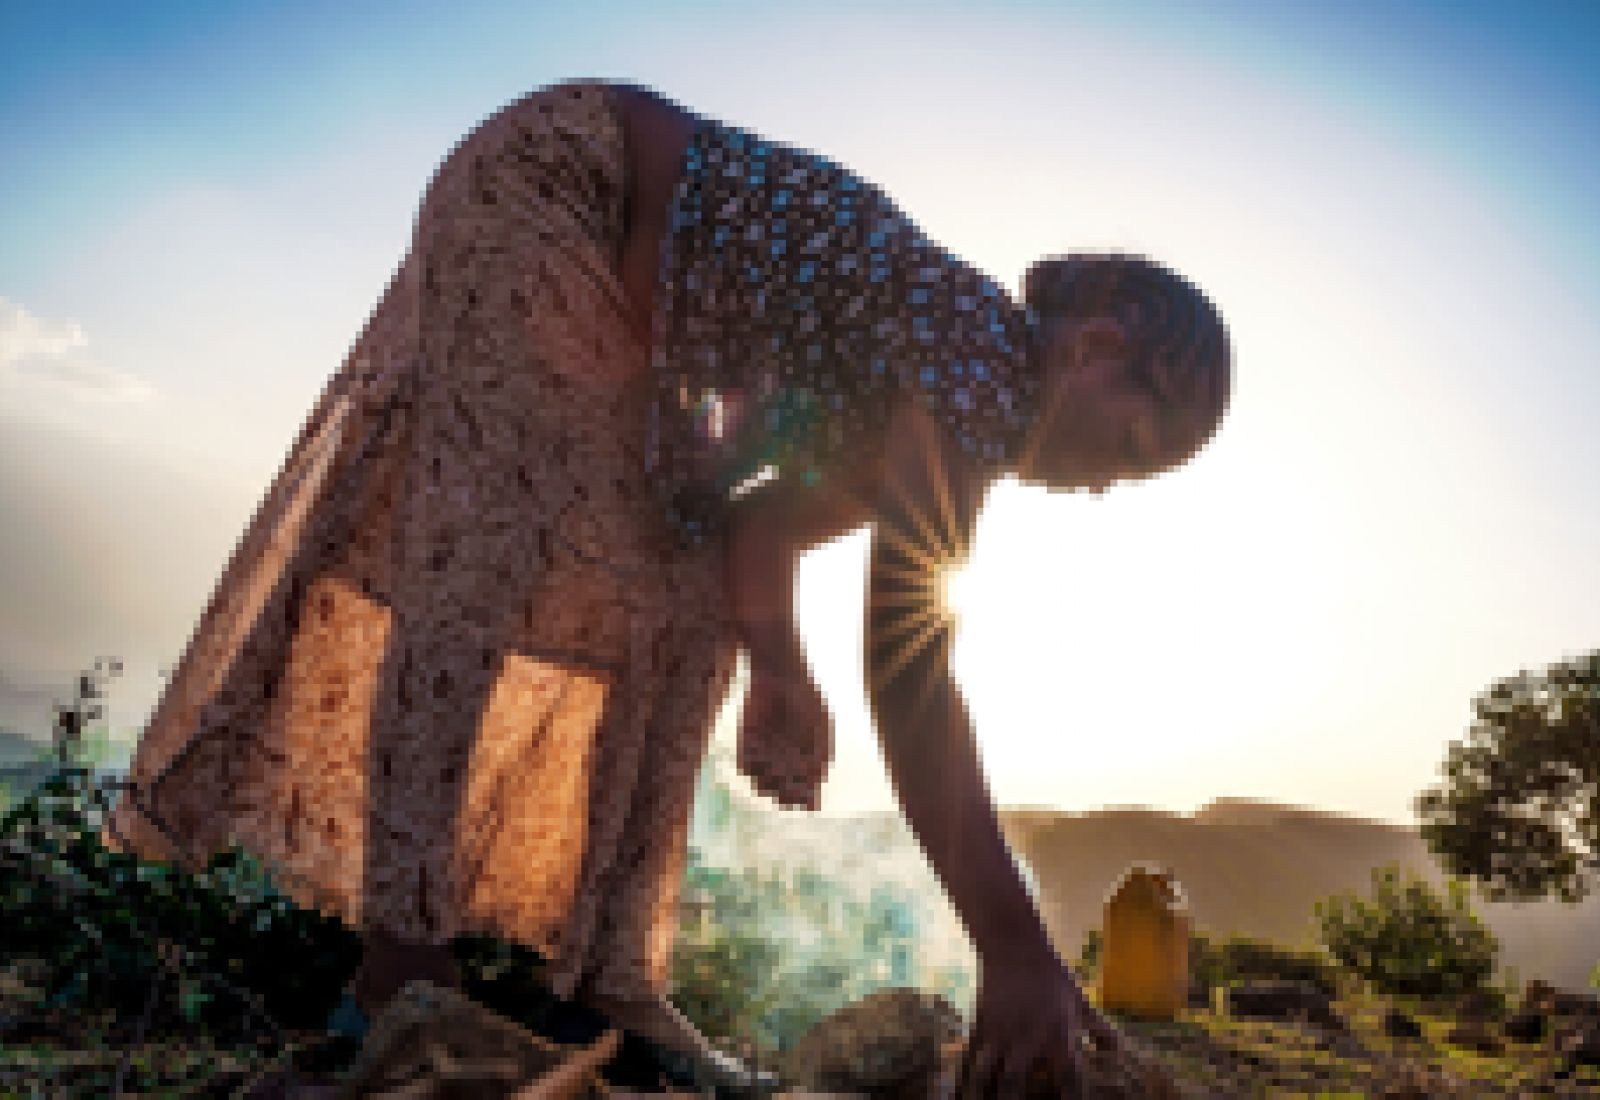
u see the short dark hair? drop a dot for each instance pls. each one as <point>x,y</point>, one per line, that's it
<point>1180,348</point>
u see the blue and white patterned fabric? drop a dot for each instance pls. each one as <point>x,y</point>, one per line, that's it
<point>795,306</point>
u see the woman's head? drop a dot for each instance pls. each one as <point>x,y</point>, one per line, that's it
<point>1137,366</point>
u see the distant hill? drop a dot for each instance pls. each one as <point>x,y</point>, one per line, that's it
<point>18,748</point>
<point>1255,868</point>
<point>30,708</point>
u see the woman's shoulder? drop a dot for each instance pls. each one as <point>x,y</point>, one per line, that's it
<point>651,122</point>
<point>655,133</point>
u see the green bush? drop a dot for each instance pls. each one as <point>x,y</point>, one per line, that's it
<point>728,980</point>
<point>107,925</point>
<point>1240,958</point>
<point>725,982</point>
<point>1406,942</point>
<point>737,978</point>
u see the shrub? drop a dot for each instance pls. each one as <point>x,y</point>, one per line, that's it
<point>1407,942</point>
<point>108,926</point>
<point>107,930</point>
<point>1240,958</point>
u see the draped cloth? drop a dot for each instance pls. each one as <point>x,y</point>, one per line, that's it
<point>459,675</point>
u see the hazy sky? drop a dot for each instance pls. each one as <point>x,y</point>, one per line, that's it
<point>200,204</point>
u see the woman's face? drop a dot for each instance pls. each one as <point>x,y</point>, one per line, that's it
<point>1096,425</point>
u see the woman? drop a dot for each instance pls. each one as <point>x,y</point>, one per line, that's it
<point>461,672</point>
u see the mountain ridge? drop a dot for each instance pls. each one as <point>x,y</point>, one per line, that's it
<point>1255,868</point>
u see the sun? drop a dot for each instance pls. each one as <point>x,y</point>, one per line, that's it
<point>954,585</point>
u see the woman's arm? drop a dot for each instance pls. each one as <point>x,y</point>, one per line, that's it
<point>925,516</point>
<point>773,527</point>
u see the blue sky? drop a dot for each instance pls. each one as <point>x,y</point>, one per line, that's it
<point>1391,205</point>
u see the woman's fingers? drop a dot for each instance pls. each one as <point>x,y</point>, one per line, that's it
<point>1002,1071</point>
<point>1017,1064</point>
<point>569,1078</point>
<point>983,1074</point>
<point>1073,1056</point>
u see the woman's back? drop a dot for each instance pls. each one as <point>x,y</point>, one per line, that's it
<point>795,309</point>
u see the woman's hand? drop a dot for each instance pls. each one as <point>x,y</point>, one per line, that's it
<point>1031,1018</point>
<point>792,715</point>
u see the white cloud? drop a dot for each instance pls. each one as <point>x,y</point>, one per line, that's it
<point>38,354</point>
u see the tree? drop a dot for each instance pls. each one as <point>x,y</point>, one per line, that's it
<point>1520,812</point>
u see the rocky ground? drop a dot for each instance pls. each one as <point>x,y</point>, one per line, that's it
<point>1256,1040</point>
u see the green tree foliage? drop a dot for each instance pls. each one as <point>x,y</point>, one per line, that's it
<point>777,954</point>
<point>781,948</point>
<point>1520,811</point>
<point>1236,958</point>
<point>1406,942</point>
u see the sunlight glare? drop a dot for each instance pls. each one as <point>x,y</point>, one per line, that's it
<point>955,589</point>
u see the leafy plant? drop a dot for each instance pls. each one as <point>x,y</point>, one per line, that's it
<point>1241,958</point>
<point>1407,942</point>
<point>111,927</point>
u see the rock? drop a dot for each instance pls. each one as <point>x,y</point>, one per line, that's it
<point>1578,1043</point>
<point>1525,1027</point>
<point>902,1044</point>
<point>1478,1007</point>
<point>1475,1035</point>
<point>1397,1025</point>
<point>436,1041</point>
<point>874,1044</point>
<point>1284,1001</point>
<point>932,1083</point>
<point>1545,998</point>
<point>1574,1018</point>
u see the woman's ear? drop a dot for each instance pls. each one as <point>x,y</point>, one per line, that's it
<point>1148,443</point>
<point>1091,332</point>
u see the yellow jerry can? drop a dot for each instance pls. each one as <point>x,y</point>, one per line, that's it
<point>1144,964</point>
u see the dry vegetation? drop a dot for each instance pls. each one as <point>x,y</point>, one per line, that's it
<point>1250,1058</point>
<point>1228,1057</point>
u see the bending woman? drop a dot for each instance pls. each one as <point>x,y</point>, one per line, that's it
<point>460,674</point>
